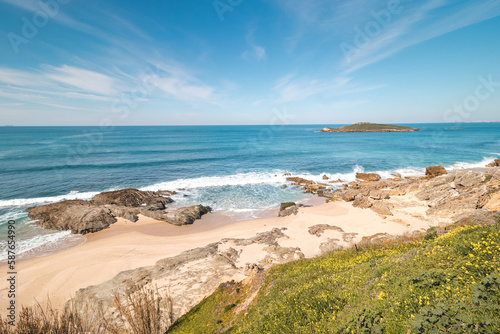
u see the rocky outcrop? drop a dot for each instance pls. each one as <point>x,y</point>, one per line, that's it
<point>368,177</point>
<point>370,127</point>
<point>132,198</point>
<point>435,171</point>
<point>182,216</point>
<point>382,208</point>
<point>495,163</point>
<point>445,197</point>
<point>318,230</point>
<point>80,217</point>
<point>190,276</point>
<point>287,209</point>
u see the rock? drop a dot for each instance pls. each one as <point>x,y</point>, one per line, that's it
<point>287,209</point>
<point>476,217</point>
<point>299,180</point>
<point>381,208</point>
<point>76,215</point>
<point>125,212</point>
<point>287,174</point>
<point>325,177</point>
<point>132,198</point>
<point>495,163</point>
<point>362,202</point>
<point>251,269</point>
<point>317,230</point>
<point>379,195</point>
<point>349,195</point>
<point>283,186</point>
<point>470,179</point>
<point>368,177</point>
<point>186,216</point>
<point>493,203</point>
<point>435,171</point>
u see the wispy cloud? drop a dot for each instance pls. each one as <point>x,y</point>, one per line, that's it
<point>413,27</point>
<point>84,80</point>
<point>294,88</point>
<point>417,23</point>
<point>291,88</point>
<point>255,52</point>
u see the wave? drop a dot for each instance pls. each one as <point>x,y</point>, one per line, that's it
<point>52,199</point>
<point>42,244</point>
<point>240,179</point>
<point>468,165</point>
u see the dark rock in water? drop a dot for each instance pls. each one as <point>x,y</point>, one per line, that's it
<point>78,216</point>
<point>435,171</point>
<point>368,176</point>
<point>182,216</point>
<point>132,198</point>
<point>287,209</point>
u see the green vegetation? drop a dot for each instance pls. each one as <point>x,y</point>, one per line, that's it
<point>371,127</point>
<point>283,206</point>
<point>434,283</point>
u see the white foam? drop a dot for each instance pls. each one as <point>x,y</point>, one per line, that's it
<point>40,244</point>
<point>467,165</point>
<point>241,179</point>
<point>52,199</point>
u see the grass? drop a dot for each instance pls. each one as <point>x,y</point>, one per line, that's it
<point>434,283</point>
<point>142,311</point>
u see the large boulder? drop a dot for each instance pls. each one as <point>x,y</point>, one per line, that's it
<point>76,215</point>
<point>434,171</point>
<point>132,198</point>
<point>368,177</point>
<point>186,216</point>
<point>287,209</point>
<point>381,208</point>
<point>495,163</point>
<point>362,202</point>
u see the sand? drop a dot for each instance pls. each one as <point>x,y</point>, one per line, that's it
<point>126,245</point>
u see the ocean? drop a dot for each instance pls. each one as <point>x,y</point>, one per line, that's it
<point>237,170</point>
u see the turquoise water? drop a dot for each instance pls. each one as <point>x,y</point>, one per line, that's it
<point>231,168</point>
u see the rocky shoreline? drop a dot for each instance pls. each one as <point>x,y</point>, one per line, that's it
<point>83,217</point>
<point>437,199</point>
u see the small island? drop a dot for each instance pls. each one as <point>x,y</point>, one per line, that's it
<point>370,127</point>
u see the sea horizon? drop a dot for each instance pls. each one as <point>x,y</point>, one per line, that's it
<point>237,170</point>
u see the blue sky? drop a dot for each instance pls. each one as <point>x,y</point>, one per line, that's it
<point>169,62</point>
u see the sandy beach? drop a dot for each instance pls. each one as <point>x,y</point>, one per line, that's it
<point>126,245</point>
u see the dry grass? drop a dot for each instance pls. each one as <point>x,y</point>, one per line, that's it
<point>141,311</point>
<point>146,311</point>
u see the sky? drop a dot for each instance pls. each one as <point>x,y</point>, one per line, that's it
<point>206,62</point>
